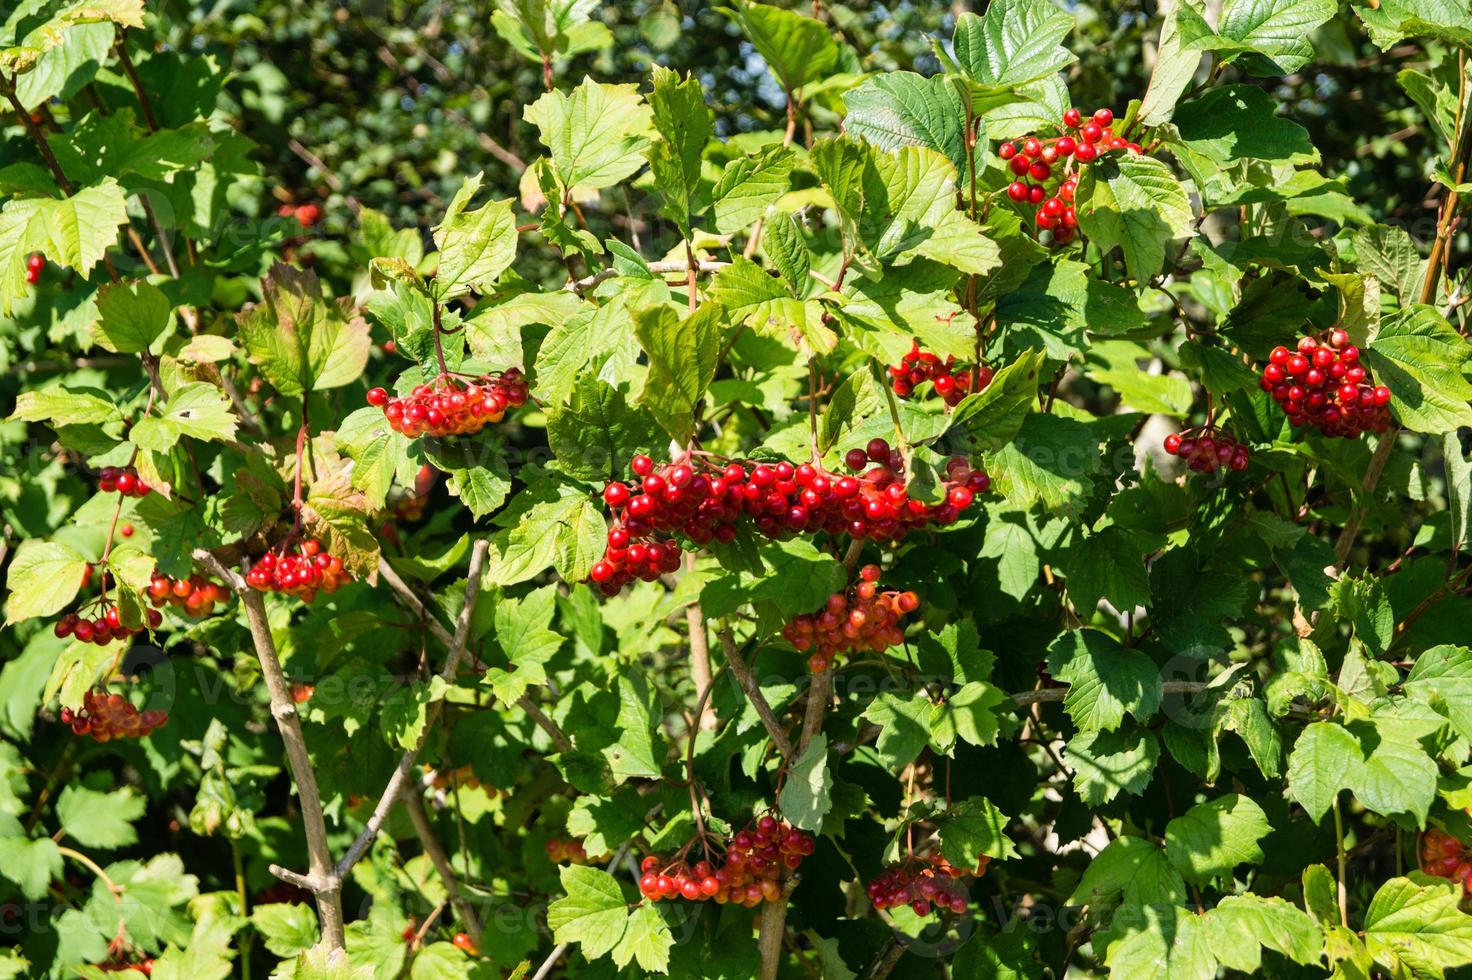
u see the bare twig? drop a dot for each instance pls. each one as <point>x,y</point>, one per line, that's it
<point>658,268</point>
<point>700,671</point>
<point>754,694</point>
<point>414,803</point>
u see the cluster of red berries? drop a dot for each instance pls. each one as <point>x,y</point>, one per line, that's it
<point>1323,384</point>
<point>123,480</point>
<point>1035,159</point>
<point>756,862</point>
<point>863,618</point>
<point>705,501</point>
<point>1208,450</point>
<point>302,573</point>
<point>1446,857</point>
<point>925,887</point>
<point>952,381</point>
<point>34,264</point>
<point>104,628</point>
<point>569,851</point>
<point>448,407</point>
<point>108,716</point>
<point>195,595</point>
<point>308,214</point>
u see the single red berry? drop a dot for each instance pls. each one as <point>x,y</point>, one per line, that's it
<point>1072,117</point>
<point>377,397</point>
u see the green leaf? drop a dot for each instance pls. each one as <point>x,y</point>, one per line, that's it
<point>1237,122</point>
<point>1015,41</point>
<point>475,246</point>
<point>61,406</point>
<point>1241,925</point>
<point>1273,32</point>
<point>1107,565</point>
<point>972,829</point>
<point>597,134</point>
<point>1105,680</point>
<point>288,929</point>
<point>592,914</point>
<point>31,864</point>
<point>1442,677</point>
<point>807,795</point>
<point>299,340</point>
<point>640,747</point>
<point>797,49</point>
<point>1421,358</point>
<point>784,247</point>
<point>73,232</point>
<point>1175,67</point>
<point>1105,764</point>
<point>684,124</point>
<point>547,28</point>
<point>905,109</point>
<point>493,329</point>
<point>646,939</point>
<point>683,357</point>
<point>1389,254</point>
<point>589,344</point>
<point>99,820</point>
<point>131,315</point>
<point>1398,776</point>
<point>749,185</point>
<point>1159,941</point>
<point>1133,868</point>
<point>198,410</point>
<point>1052,461</point>
<point>1325,759</point>
<point>903,204</point>
<point>1391,21</point>
<point>1414,926</point>
<point>1135,202</point>
<point>1212,838</point>
<point>767,305</point>
<point>43,579</point>
<point>599,432</point>
<point>994,414</point>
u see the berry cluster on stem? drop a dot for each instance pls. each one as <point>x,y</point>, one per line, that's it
<point>703,501</point>
<point>1446,857</point>
<point>861,618</point>
<point>104,625</point>
<point>302,573</point>
<point>448,406</point>
<point>925,886</point>
<point>1322,383</point>
<point>757,861</point>
<point>195,596</point>
<point>108,716</point>
<point>951,381</point>
<point>123,480</point>
<point>1208,449</point>
<point>1040,160</point>
<point>34,264</point>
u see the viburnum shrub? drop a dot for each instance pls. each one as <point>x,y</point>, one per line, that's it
<point>474,501</point>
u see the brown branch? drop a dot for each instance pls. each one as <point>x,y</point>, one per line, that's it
<point>321,881</point>
<point>754,694</point>
<point>700,672</point>
<point>414,803</point>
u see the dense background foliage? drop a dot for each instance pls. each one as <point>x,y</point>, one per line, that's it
<point>1156,720</point>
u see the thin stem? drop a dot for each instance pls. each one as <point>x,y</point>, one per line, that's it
<point>1343,862</point>
<point>149,118</point>
<point>414,804</point>
<point>95,868</point>
<point>244,899</point>
<point>439,350</point>
<point>691,271</point>
<point>414,604</point>
<point>321,881</point>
